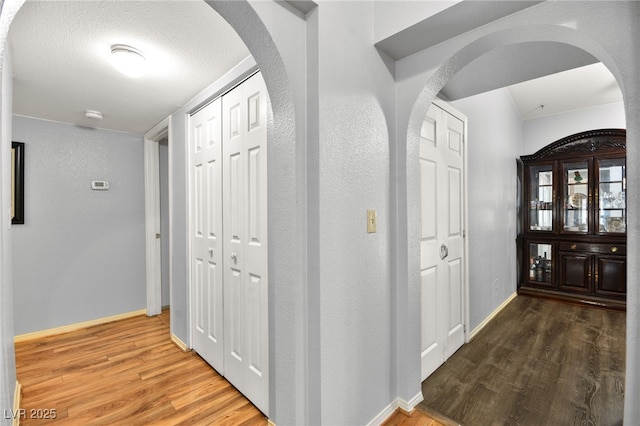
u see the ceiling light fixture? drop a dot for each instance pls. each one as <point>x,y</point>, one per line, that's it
<point>128,60</point>
<point>92,114</point>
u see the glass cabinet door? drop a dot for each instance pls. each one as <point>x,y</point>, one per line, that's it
<point>540,263</point>
<point>611,195</point>
<point>576,197</point>
<point>541,198</point>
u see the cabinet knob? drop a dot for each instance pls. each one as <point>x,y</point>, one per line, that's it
<point>614,249</point>
<point>573,246</point>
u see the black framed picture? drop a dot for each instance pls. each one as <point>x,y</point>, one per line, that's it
<point>17,182</point>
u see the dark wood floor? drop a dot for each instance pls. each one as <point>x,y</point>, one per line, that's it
<point>539,362</point>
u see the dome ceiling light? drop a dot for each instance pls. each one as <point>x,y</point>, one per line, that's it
<point>128,60</point>
<point>93,115</point>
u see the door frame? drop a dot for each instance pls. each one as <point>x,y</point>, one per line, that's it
<point>152,214</point>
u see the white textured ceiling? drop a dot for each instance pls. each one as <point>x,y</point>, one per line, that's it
<point>61,49</point>
<point>582,87</point>
<point>60,53</point>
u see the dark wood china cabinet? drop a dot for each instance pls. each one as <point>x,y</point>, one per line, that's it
<point>572,220</point>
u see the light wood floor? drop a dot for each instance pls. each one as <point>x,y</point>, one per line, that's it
<point>130,373</point>
<point>420,416</point>
<point>539,362</point>
<point>125,373</point>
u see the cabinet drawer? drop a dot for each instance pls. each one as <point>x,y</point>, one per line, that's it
<point>617,249</point>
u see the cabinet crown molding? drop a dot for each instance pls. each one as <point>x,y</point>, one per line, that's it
<point>589,142</point>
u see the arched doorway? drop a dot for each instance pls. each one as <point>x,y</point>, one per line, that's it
<point>439,78</point>
<point>283,188</point>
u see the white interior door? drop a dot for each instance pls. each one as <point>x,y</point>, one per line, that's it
<point>205,155</point>
<point>245,239</point>
<point>442,245</point>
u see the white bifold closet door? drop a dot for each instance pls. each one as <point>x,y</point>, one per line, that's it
<point>229,282</point>
<point>205,149</point>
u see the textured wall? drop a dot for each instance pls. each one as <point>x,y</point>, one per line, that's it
<point>539,132</point>
<point>80,254</point>
<point>494,141</point>
<point>7,353</point>
<point>356,109</point>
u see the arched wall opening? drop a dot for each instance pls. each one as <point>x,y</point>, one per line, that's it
<point>284,367</point>
<point>434,84</point>
<point>283,211</point>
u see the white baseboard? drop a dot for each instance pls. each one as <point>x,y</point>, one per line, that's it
<point>179,343</point>
<point>73,327</point>
<point>409,406</point>
<point>486,321</point>
<point>384,414</point>
<point>406,406</point>
<point>17,401</point>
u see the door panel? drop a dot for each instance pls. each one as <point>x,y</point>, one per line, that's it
<point>431,353</point>
<point>575,272</point>
<point>442,242</point>
<point>234,317</point>
<point>245,230</point>
<point>198,280</point>
<point>206,229</point>
<point>455,327</point>
<point>612,276</point>
<point>455,203</point>
<point>453,157</point>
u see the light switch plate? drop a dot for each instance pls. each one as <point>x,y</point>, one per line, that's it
<point>100,185</point>
<point>372,221</point>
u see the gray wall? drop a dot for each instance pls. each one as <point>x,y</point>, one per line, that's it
<point>497,136</point>
<point>7,353</point>
<point>494,141</point>
<point>356,115</point>
<point>539,132</point>
<point>80,254</point>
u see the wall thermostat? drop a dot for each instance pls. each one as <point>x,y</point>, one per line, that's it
<point>100,185</point>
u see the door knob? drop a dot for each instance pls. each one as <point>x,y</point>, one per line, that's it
<point>234,257</point>
<point>211,251</point>
<point>444,251</point>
